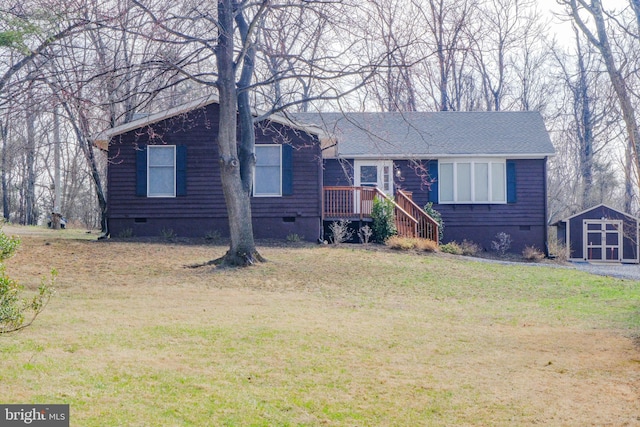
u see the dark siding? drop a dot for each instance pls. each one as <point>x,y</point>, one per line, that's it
<point>338,172</point>
<point>524,219</point>
<point>203,209</point>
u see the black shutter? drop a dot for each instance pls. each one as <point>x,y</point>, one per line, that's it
<point>141,171</point>
<point>433,178</point>
<point>287,170</point>
<point>181,170</point>
<point>511,182</point>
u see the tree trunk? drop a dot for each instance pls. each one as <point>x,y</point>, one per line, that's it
<point>242,251</point>
<point>4,131</point>
<point>30,213</point>
<point>601,41</point>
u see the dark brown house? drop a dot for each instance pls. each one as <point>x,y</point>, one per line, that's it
<point>163,176</point>
<point>485,172</point>
<point>600,234</point>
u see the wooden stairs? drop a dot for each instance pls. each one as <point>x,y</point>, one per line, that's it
<point>356,203</point>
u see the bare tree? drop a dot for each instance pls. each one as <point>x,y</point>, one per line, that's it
<point>502,31</point>
<point>596,24</point>
<point>229,33</point>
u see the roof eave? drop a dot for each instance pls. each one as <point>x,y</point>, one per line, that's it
<point>524,156</point>
<point>102,140</point>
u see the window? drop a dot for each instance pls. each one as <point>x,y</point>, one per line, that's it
<point>472,181</point>
<point>268,173</point>
<point>161,174</point>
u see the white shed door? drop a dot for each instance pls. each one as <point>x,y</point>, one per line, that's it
<point>602,239</point>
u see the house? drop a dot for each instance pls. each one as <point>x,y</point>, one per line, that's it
<point>600,234</point>
<point>485,172</point>
<point>163,176</point>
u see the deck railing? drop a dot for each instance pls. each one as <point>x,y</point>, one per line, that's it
<point>357,202</point>
<point>427,226</point>
<point>348,202</point>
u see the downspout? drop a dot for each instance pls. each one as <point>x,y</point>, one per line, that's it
<point>546,213</point>
<point>321,190</point>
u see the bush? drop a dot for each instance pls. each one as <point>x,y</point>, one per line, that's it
<point>502,243</point>
<point>407,243</point>
<point>364,234</point>
<point>126,233</point>
<point>470,248</point>
<point>168,234</point>
<point>437,217</point>
<point>340,231</point>
<point>557,250</point>
<point>14,308</point>
<point>426,245</point>
<point>384,225</point>
<point>293,238</point>
<point>451,248</point>
<point>532,253</point>
<point>400,243</point>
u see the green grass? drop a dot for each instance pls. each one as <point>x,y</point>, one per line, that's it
<point>318,336</point>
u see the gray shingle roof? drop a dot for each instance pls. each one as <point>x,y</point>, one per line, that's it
<point>434,134</point>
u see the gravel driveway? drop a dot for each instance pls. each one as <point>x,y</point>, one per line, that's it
<point>622,271</point>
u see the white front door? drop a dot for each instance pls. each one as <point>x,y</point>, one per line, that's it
<point>374,173</point>
<point>602,240</point>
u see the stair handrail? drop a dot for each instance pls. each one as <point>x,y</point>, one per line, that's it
<point>404,213</point>
<point>422,213</point>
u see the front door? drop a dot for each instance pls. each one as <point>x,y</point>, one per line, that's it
<point>372,173</point>
<point>602,240</point>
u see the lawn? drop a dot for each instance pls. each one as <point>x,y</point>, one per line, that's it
<point>319,335</point>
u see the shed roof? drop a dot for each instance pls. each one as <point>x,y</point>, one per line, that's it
<point>601,205</point>
<point>434,134</point>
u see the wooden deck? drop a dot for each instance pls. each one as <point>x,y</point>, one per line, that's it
<point>356,203</point>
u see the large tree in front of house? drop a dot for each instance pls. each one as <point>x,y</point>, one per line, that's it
<point>237,158</point>
<point>230,47</point>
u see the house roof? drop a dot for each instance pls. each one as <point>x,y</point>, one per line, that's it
<point>102,140</point>
<point>434,134</point>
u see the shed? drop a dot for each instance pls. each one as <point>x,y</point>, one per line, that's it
<point>600,234</point>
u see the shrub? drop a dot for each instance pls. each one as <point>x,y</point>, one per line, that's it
<point>557,250</point>
<point>451,248</point>
<point>168,234</point>
<point>437,217</point>
<point>13,308</point>
<point>383,222</point>
<point>407,243</point>
<point>364,234</point>
<point>126,233</point>
<point>532,253</point>
<point>470,248</point>
<point>502,243</point>
<point>400,243</point>
<point>293,238</point>
<point>426,245</point>
<point>340,231</point>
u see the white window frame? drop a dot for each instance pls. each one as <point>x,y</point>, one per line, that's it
<point>473,161</point>
<point>149,167</point>
<point>279,194</point>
